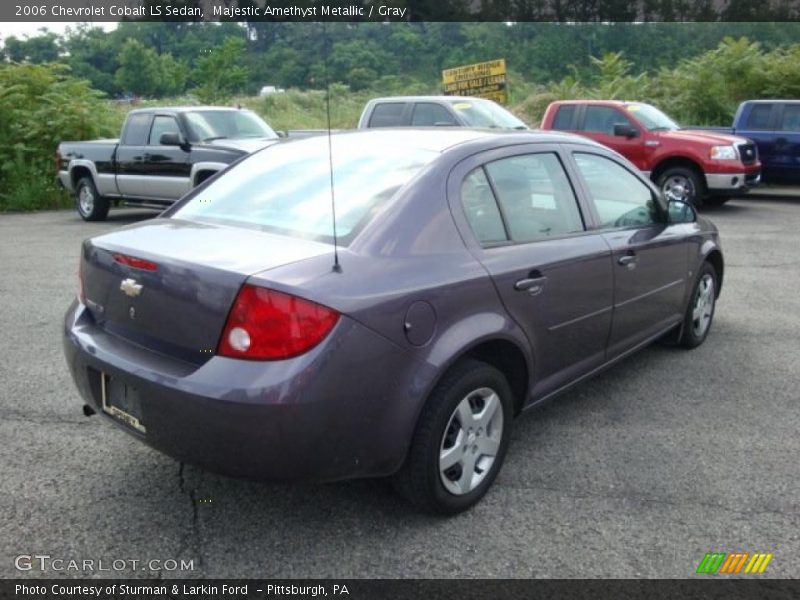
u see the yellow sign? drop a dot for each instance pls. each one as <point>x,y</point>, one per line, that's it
<point>484,80</point>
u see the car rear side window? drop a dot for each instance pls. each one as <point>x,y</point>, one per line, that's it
<point>564,117</point>
<point>535,197</point>
<point>619,198</point>
<point>429,114</point>
<point>601,119</point>
<point>480,208</point>
<point>387,114</point>
<point>161,125</point>
<point>137,128</point>
<point>759,116</point>
<point>791,118</point>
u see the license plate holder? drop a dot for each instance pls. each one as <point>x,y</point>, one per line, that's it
<point>122,402</point>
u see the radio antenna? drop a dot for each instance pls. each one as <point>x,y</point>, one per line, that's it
<point>336,266</point>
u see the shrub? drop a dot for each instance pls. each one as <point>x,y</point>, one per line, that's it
<point>40,106</point>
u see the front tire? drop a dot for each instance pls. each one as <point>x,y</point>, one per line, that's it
<point>91,206</point>
<point>460,440</point>
<point>682,183</point>
<point>700,311</point>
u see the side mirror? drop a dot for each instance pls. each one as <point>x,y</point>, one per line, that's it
<point>681,212</point>
<point>625,130</point>
<point>171,138</point>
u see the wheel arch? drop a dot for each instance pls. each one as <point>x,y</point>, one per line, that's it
<point>205,170</point>
<point>501,352</point>
<point>679,162</point>
<point>714,257</point>
<point>78,172</point>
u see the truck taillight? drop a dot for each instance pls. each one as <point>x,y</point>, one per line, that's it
<point>58,161</point>
<point>268,325</point>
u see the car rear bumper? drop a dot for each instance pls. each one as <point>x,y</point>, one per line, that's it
<point>65,180</point>
<point>318,417</point>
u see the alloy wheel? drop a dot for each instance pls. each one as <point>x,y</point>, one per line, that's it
<point>678,187</point>
<point>86,200</point>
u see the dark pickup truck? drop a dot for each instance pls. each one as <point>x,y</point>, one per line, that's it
<point>774,125</point>
<point>161,154</point>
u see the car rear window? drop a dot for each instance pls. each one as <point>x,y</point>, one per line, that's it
<point>759,116</point>
<point>564,115</point>
<point>791,118</point>
<point>387,114</point>
<point>137,128</point>
<point>286,188</point>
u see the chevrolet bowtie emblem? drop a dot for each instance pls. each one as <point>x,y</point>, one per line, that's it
<point>130,287</point>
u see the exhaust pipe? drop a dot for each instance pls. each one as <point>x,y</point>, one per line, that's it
<point>88,410</point>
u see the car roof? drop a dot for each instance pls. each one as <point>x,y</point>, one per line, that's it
<point>771,101</point>
<point>602,102</point>
<point>184,109</point>
<point>440,139</point>
<point>450,99</point>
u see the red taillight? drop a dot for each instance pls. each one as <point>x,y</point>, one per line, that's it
<point>136,263</point>
<point>268,325</point>
<point>58,161</point>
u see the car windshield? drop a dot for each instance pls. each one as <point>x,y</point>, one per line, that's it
<point>484,113</point>
<point>286,188</point>
<point>208,125</point>
<point>652,118</point>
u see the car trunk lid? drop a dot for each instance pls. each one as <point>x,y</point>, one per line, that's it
<point>168,284</point>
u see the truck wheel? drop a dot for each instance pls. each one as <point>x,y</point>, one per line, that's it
<point>91,206</point>
<point>681,183</point>
<point>460,440</point>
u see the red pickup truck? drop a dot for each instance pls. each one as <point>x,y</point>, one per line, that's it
<point>693,166</point>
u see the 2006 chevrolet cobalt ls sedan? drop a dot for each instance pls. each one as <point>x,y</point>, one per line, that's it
<point>474,274</point>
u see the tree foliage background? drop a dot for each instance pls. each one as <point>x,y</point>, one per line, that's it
<point>58,87</point>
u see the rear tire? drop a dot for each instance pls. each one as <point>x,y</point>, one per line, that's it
<point>700,311</point>
<point>91,206</point>
<point>460,440</point>
<point>682,183</point>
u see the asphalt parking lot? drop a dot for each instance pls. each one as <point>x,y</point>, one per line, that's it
<point>636,473</point>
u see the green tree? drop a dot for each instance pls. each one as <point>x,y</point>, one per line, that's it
<point>140,69</point>
<point>220,72</point>
<point>42,48</point>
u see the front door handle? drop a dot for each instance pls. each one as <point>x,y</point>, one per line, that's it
<point>532,285</point>
<point>629,260</point>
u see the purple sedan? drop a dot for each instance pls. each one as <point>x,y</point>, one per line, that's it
<point>473,275</point>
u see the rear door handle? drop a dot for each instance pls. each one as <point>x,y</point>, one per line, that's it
<point>533,284</point>
<point>629,260</point>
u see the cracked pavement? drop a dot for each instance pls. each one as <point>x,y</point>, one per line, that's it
<point>636,473</point>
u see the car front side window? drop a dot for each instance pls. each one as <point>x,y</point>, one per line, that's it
<point>620,199</point>
<point>602,119</point>
<point>535,197</point>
